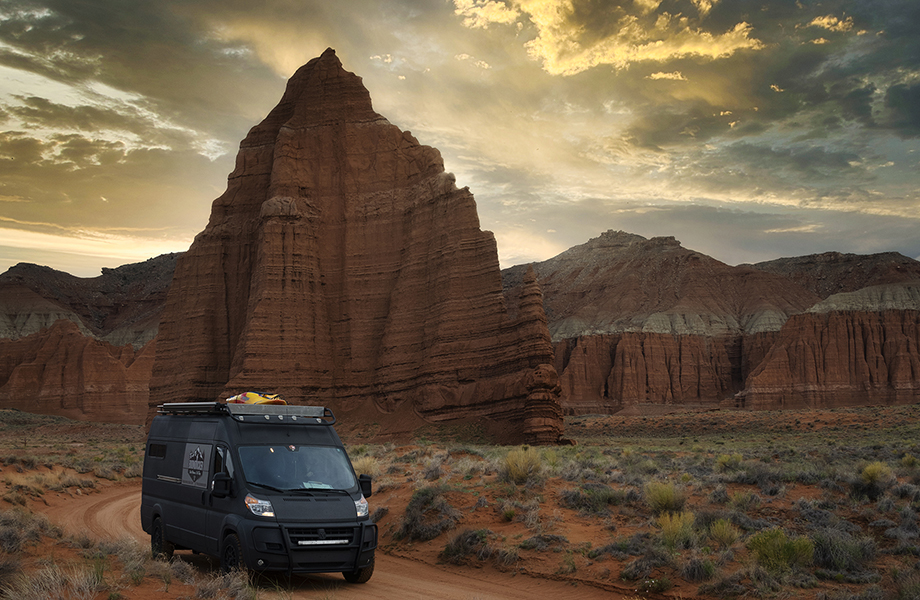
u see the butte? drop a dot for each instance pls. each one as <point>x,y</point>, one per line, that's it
<point>343,267</point>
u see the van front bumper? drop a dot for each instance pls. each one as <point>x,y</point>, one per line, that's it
<point>312,548</point>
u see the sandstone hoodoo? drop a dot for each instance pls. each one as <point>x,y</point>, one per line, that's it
<point>343,266</point>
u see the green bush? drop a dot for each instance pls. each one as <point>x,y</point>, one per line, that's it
<point>521,465</point>
<point>776,552</point>
<point>872,481</point>
<point>664,497</point>
<point>722,532</point>
<point>728,462</point>
<point>677,529</point>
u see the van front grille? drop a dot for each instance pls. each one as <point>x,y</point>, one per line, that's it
<point>320,536</point>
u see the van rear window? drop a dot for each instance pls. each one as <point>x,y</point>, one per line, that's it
<point>157,451</point>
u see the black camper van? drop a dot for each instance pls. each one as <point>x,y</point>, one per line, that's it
<point>266,487</point>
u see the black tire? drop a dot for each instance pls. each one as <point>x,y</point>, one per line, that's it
<point>231,556</point>
<point>361,575</point>
<point>159,546</point>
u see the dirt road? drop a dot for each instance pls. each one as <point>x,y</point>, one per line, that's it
<point>113,512</point>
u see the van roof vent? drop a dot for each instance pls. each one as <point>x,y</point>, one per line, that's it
<point>271,413</point>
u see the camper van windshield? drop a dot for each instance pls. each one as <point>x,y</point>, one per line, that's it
<point>297,467</point>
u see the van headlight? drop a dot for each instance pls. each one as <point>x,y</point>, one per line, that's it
<point>260,508</point>
<point>361,506</point>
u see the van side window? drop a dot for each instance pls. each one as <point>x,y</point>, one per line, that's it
<point>157,451</point>
<point>222,461</point>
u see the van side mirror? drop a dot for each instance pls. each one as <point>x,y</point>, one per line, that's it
<point>222,485</point>
<point>364,481</point>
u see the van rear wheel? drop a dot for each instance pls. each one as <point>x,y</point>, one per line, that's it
<point>159,547</point>
<point>360,575</point>
<point>231,557</point>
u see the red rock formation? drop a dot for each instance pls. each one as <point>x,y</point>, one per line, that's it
<point>342,263</point>
<point>839,358</point>
<point>121,306</point>
<point>644,323</point>
<point>60,371</point>
<point>833,272</point>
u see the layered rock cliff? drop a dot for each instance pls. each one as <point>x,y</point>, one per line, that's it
<point>121,306</point>
<point>852,349</point>
<point>341,265</point>
<point>61,371</point>
<point>647,323</point>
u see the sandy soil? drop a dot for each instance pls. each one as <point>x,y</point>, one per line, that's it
<point>112,512</point>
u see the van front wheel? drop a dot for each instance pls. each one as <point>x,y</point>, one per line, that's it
<point>158,544</point>
<point>361,575</point>
<point>231,557</point>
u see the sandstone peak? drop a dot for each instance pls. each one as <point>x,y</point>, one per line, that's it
<point>343,266</point>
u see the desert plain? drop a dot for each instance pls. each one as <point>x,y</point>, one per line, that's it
<point>798,504</point>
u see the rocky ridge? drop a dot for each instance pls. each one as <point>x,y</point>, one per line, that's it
<point>121,306</point>
<point>648,326</point>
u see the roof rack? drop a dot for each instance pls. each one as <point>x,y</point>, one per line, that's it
<point>252,413</point>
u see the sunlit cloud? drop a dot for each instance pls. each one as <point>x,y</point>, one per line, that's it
<point>673,76</point>
<point>479,14</point>
<point>832,23</point>
<point>562,46</point>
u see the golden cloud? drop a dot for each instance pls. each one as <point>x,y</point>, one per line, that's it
<point>563,48</point>
<point>832,23</point>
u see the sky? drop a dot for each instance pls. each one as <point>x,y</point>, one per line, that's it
<point>747,130</point>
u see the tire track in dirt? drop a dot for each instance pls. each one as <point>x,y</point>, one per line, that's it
<point>113,513</point>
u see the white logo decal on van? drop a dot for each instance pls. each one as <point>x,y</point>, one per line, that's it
<point>197,465</point>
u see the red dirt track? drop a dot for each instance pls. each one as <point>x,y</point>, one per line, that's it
<point>112,512</point>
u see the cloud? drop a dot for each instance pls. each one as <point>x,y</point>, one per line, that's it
<point>573,36</point>
<point>673,76</point>
<point>832,23</point>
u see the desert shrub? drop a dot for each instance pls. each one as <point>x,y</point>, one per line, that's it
<point>47,582</point>
<point>727,586</point>
<point>909,461</point>
<point>366,465</point>
<point>777,552</point>
<point>427,515</point>
<point>543,541</point>
<point>698,569</point>
<point>432,468</point>
<point>728,462</point>
<point>838,550</point>
<point>722,532</point>
<point>663,497</point>
<point>233,586</point>
<point>591,498</point>
<point>467,543</point>
<point>872,481</point>
<point>379,513</point>
<point>10,567</point>
<point>719,495</point>
<point>521,465</point>
<point>677,529</point>
<point>635,545</point>
<point>744,501</point>
<point>641,568</point>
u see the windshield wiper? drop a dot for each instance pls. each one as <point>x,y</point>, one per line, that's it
<point>329,491</point>
<point>268,487</point>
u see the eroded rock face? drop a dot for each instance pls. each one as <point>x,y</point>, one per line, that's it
<point>60,371</point>
<point>647,323</point>
<point>343,263</point>
<point>121,306</point>
<point>839,358</point>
